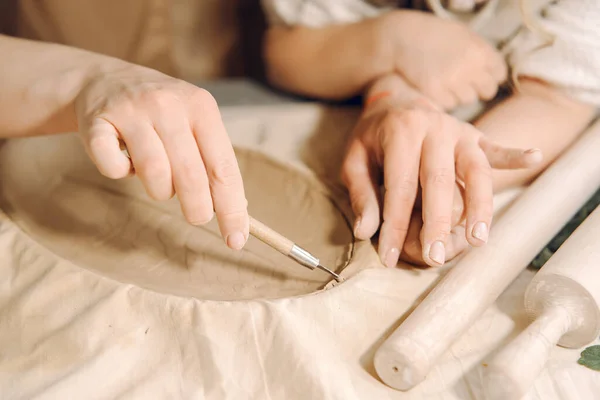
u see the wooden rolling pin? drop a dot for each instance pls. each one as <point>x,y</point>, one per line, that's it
<point>469,288</point>
<point>563,300</point>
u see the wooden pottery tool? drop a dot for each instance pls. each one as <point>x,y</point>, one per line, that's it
<point>275,240</point>
<point>286,247</point>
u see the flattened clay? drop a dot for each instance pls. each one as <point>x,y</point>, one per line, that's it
<point>73,333</point>
<point>53,192</point>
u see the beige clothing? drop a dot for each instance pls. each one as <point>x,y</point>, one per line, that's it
<point>192,39</point>
<point>571,62</point>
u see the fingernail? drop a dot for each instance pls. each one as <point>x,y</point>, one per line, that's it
<point>536,153</point>
<point>357,226</point>
<point>236,240</point>
<point>480,231</point>
<point>390,257</point>
<point>437,252</point>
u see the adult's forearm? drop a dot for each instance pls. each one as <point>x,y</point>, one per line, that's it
<point>333,62</point>
<point>536,116</point>
<point>39,83</point>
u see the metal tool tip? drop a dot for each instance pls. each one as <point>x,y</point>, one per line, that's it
<point>330,272</point>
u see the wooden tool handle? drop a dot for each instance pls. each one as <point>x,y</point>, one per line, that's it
<point>270,237</point>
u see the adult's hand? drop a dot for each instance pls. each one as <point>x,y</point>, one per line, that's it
<point>175,138</point>
<point>411,145</point>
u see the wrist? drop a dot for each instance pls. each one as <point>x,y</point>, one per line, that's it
<point>392,89</point>
<point>58,91</point>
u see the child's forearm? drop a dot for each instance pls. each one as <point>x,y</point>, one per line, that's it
<point>537,116</point>
<point>334,62</point>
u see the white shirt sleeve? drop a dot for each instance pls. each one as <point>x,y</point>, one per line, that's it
<point>572,61</point>
<point>318,13</point>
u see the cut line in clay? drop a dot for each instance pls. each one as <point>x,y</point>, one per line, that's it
<point>113,229</point>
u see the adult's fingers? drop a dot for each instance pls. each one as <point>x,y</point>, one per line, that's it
<point>401,144</point>
<point>101,142</point>
<point>188,171</point>
<point>413,252</point>
<point>148,156</point>
<point>358,175</point>
<point>224,177</point>
<point>501,157</point>
<point>438,181</point>
<point>473,169</point>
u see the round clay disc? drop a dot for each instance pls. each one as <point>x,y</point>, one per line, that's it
<point>52,191</point>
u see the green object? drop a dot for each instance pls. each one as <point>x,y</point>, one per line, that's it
<point>566,231</point>
<point>590,358</point>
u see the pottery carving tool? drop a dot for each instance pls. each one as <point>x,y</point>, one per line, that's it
<point>470,287</point>
<point>563,300</point>
<point>275,240</point>
<point>286,247</point>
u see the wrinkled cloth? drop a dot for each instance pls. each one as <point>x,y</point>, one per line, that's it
<point>73,330</point>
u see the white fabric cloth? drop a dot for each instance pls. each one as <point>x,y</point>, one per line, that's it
<point>571,62</point>
<point>71,332</point>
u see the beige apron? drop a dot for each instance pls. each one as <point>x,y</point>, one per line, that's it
<point>192,39</point>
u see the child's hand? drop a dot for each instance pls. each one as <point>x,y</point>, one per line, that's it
<point>443,59</point>
<point>403,145</point>
<point>175,137</point>
<point>456,242</point>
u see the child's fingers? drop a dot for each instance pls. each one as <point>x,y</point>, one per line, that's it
<point>466,95</point>
<point>473,169</point>
<point>497,66</point>
<point>358,175</point>
<point>101,141</point>
<point>401,147</point>
<point>412,251</point>
<point>461,5</point>
<point>501,157</point>
<point>438,180</point>
<point>486,88</point>
<point>458,205</point>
